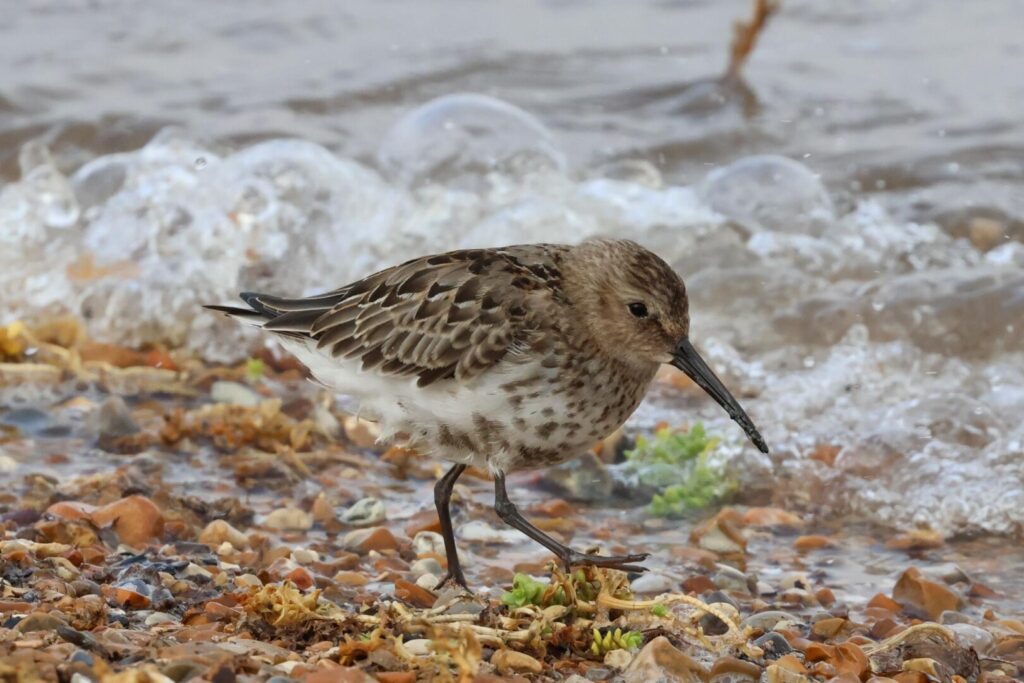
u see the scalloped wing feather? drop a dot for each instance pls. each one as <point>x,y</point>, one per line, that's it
<point>448,316</point>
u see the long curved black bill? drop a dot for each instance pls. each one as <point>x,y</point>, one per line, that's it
<point>689,361</point>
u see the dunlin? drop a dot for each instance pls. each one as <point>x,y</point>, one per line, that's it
<point>510,358</point>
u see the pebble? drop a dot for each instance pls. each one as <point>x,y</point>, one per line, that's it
<point>511,661</point>
<point>136,520</point>
<point>82,657</point>
<point>112,419</point>
<point>772,620</point>
<point>428,542</point>
<point>234,393</point>
<point>730,579</point>
<point>288,519</point>
<point>193,571</point>
<point>795,580</point>
<point>765,517</point>
<point>323,511</point>
<point>776,673</point>
<point>929,597</point>
<point>659,660</point>
<point>7,464</point>
<point>364,512</point>
<point>805,544</point>
<point>720,535</point>
<point>712,625</point>
<point>161,618</point>
<point>651,582</point>
<point>39,621</point>
<point>585,478</point>
<point>426,565</point>
<point>419,647</point>
<point>774,645</point>
<point>954,617</point>
<point>414,594</point>
<point>948,572</point>
<point>618,659</point>
<point>969,635</point>
<point>248,581</point>
<point>428,581</point>
<point>375,538</point>
<point>482,532</point>
<point>218,531</point>
<point>719,596</point>
<point>305,556</point>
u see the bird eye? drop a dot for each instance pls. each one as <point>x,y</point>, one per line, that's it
<point>638,309</point>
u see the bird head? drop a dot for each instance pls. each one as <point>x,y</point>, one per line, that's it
<point>636,310</point>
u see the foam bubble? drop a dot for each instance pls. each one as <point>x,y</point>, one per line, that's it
<point>462,138</point>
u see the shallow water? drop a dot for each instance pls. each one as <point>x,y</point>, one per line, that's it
<point>869,296</point>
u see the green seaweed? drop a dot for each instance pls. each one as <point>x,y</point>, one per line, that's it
<point>679,464</point>
<point>254,369</point>
<point>528,591</point>
<point>618,639</point>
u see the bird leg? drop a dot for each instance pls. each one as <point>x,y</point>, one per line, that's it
<point>569,557</point>
<point>442,499</point>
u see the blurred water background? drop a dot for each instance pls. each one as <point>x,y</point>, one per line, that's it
<point>848,215</point>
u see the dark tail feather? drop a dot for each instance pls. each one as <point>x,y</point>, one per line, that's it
<point>246,314</point>
<point>290,317</point>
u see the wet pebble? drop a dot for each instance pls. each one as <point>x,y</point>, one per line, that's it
<point>719,596</point>
<point>618,659</point>
<point>7,464</point>
<point>288,519</point>
<point>511,661</point>
<point>248,581</point>
<point>161,618</point>
<point>234,393</point>
<point>712,625</point>
<point>482,532</point>
<point>305,556</point>
<point>651,583</point>
<point>218,532</point>
<point>969,635</point>
<point>797,580</point>
<point>194,571</point>
<point>374,538</point>
<point>428,581</point>
<point>585,478</point>
<point>82,657</point>
<point>772,620</point>
<point>39,621</point>
<point>730,579</point>
<point>428,542</point>
<point>426,565</point>
<point>364,512</point>
<point>774,645</point>
<point>136,520</point>
<point>659,660</point>
<point>954,617</point>
<point>112,419</point>
<point>419,647</point>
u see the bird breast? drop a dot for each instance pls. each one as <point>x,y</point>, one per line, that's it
<point>523,413</point>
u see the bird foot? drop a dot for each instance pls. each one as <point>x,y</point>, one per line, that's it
<point>452,581</point>
<point>621,562</point>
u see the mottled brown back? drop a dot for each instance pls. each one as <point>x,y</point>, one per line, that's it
<point>450,315</point>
